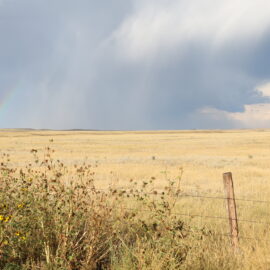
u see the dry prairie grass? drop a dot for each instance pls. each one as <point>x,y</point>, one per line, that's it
<point>202,156</point>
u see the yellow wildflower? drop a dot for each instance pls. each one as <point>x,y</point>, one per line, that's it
<point>23,238</point>
<point>17,233</point>
<point>5,242</point>
<point>1,217</point>
<point>7,219</point>
<point>21,205</point>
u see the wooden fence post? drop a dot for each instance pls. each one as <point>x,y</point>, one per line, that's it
<point>231,206</point>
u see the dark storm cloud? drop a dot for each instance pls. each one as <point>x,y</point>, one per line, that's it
<point>50,48</point>
<point>100,64</point>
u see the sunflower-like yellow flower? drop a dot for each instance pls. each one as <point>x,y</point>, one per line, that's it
<point>2,217</point>
<point>7,219</point>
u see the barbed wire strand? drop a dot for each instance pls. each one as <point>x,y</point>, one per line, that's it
<point>196,215</point>
<point>189,195</point>
<point>200,231</point>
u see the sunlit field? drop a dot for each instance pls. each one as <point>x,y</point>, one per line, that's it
<point>132,200</point>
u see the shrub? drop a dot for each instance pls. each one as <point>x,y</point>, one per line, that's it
<point>53,217</point>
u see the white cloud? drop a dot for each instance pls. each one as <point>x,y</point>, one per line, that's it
<point>253,116</point>
<point>264,89</point>
<point>158,26</point>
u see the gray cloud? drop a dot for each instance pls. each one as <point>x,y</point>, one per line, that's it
<point>129,64</point>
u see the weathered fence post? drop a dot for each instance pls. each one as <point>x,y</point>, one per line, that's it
<point>229,193</point>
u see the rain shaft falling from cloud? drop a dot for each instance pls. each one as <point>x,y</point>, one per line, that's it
<point>133,64</point>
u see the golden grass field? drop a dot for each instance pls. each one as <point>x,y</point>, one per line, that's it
<point>198,157</point>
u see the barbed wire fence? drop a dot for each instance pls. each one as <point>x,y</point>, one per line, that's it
<point>231,207</point>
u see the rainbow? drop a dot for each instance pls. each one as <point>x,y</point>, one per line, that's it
<point>6,96</point>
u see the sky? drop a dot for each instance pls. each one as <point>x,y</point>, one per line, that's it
<point>135,64</point>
